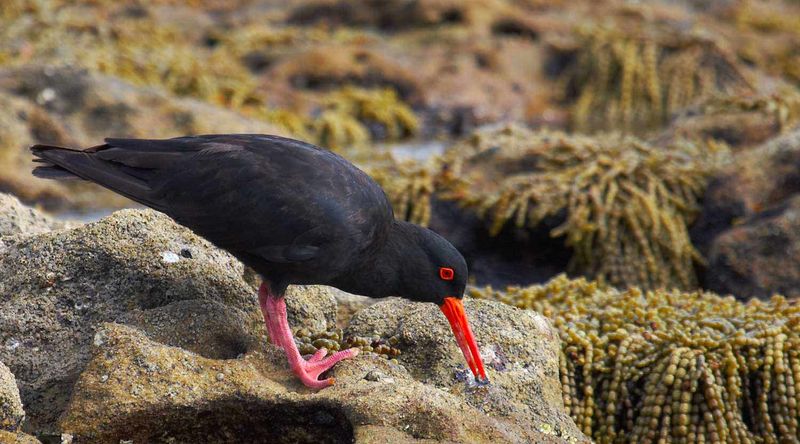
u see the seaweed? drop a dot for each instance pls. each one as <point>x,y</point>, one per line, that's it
<point>626,204</point>
<point>667,366</point>
<point>634,81</point>
<point>410,185</point>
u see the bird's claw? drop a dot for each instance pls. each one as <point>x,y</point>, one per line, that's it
<point>309,370</point>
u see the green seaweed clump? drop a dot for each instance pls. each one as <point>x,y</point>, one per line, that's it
<point>625,204</point>
<point>667,366</point>
<point>350,112</point>
<point>634,82</point>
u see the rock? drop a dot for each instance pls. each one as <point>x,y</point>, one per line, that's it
<point>72,107</point>
<point>11,413</point>
<point>136,389</point>
<point>16,218</point>
<point>312,307</point>
<point>746,227</point>
<point>56,286</point>
<point>519,348</point>
<point>758,179</point>
<point>759,257</point>
<point>348,305</point>
<point>134,328</point>
<point>17,438</point>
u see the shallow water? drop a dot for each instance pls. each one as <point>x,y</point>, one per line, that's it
<point>418,150</point>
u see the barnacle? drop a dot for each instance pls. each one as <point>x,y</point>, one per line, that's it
<point>633,81</point>
<point>669,366</point>
<point>627,204</point>
<point>334,340</point>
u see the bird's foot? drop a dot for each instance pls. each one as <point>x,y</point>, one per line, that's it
<point>309,370</point>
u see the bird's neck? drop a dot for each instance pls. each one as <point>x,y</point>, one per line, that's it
<point>381,271</point>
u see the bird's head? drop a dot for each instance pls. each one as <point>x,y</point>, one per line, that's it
<point>434,271</point>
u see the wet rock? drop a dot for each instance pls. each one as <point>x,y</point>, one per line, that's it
<point>16,218</point>
<point>753,202</point>
<point>72,107</point>
<point>519,348</point>
<point>758,257</point>
<point>11,413</point>
<point>136,389</point>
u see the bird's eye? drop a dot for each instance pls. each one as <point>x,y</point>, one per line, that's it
<point>446,273</point>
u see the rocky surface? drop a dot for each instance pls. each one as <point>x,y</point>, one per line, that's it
<point>11,412</point>
<point>748,225</point>
<point>16,218</point>
<point>17,438</point>
<point>759,257</point>
<point>135,266</point>
<point>141,390</point>
<point>520,349</point>
<point>134,328</point>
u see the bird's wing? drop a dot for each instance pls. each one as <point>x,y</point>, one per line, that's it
<point>269,196</point>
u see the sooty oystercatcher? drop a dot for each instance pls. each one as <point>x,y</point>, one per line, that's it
<point>294,212</point>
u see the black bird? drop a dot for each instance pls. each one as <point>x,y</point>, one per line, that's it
<point>294,212</point>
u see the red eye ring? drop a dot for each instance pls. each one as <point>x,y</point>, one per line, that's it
<point>446,273</point>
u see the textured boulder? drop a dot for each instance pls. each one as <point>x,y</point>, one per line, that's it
<point>748,225</point>
<point>759,257</point>
<point>519,347</point>
<point>134,266</point>
<point>136,389</point>
<point>134,328</point>
<point>11,413</point>
<point>16,218</point>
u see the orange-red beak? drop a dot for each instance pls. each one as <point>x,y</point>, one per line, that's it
<point>453,309</point>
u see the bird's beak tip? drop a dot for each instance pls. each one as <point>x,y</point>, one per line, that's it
<point>453,310</point>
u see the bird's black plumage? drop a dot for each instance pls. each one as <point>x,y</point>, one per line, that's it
<point>296,213</point>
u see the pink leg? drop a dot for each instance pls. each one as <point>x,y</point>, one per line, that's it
<point>263,294</point>
<point>307,371</point>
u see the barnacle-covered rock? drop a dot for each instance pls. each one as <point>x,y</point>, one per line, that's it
<point>625,204</point>
<point>11,413</point>
<point>518,348</point>
<point>666,366</point>
<point>140,390</point>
